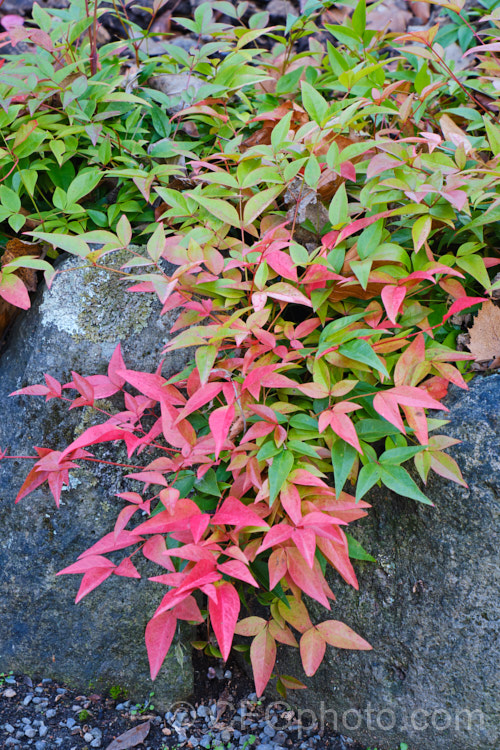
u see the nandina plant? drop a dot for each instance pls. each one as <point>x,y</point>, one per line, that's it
<point>319,269</point>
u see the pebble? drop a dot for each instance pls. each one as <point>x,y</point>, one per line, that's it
<point>9,693</point>
<point>70,723</point>
<point>88,737</point>
<point>40,745</point>
<point>50,713</point>
<point>42,730</point>
<point>30,732</point>
<point>8,728</point>
<point>27,700</point>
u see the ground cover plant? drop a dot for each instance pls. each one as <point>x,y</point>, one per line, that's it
<point>327,211</point>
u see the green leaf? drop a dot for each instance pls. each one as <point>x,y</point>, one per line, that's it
<point>399,481</point>
<point>259,202</point>
<point>278,473</point>
<point>361,351</point>
<point>314,104</point>
<point>9,199</point>
<point>337,212</point>
<point>17,222</point>
<point>208,484</point>
<point>343,456</point>
<point>223,210</point>
<point>280,132</point>
<point>368,476</point>
<point>398,455</point>
<point>72,244</point>
<point>359,18</point>
<point>356,551</point>
<point>312,172</point>
<point>474,265</point>
<point>82,185</point>
<point>205,358</point>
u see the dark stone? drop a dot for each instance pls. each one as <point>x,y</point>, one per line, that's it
<point>429,607</point>
<point>100,642</point>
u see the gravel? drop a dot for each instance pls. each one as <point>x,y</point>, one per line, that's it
<point>40,715</point>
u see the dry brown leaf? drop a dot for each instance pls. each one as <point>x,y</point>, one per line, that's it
<point>387,16</point>
<point>420,10</point>
<point>485,333</point>
<point>15,249</point>
<point>133,737</point>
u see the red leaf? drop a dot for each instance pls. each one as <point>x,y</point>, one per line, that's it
<point>288,293</point>
<point>309,581</point>
<point>116,363</point>
<point>282,264</point>
<point>152,385</point>
<point>207,393</point>
<point>462,304</point>
<point>278,534</point>
<point>91,580</point>
<point>263,658</point>
<point>234,513</point>
<point>237,569</point>
<point>101,433</point>
<point>337,555</point>
<point>305,539</point>
<point>155,550</point>
<point>160,632</point>
<point>312,650</point>
<point>220,421</point>
<point>224,616</point>
<point>87,563</point>
<point>339,635</point>
<point>277,565</point>
<point>110,543</point>
<point>188,610</point>
<point>124,517</point>
<point>343,426</point>
<point>291,502</point>
<point>392,297</point>
<point>13,290</point>
<point>127,569</point>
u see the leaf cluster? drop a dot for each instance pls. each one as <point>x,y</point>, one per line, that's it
<point>331,213</point>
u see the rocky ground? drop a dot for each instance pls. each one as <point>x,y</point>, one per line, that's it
<point>41,715</point>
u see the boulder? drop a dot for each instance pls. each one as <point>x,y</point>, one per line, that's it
<point>430,606</point>
<point>99,643</point>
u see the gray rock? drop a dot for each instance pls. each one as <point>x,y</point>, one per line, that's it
<point>100,642</point>
<point>50,713</point>
<point>430,606</point>
<point>8,728</point>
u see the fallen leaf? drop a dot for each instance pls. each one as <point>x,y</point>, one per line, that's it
<point>485,333</point>
<point>420,10</point>
<point>131,738</point>
<point>387,16</point>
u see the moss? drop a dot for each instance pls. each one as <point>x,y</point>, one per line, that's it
<point>99,323</point>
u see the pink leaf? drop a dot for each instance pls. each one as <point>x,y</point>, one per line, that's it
<point>220,421</point>
<point>127,569</point>
<point>91,580</point>
<point>392,297</point>
<point>288,293</point>
<point>234,513</point>
<point>224,616</point>
<point>462,304</point>
<point>160,632</point>
<point>101,433</point>
<point>206,394</point>
<point>13,290</point>
<point>263,658</point>
<point>312,650</point>
<point>339,635</point>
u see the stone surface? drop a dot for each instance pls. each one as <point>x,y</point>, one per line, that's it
<point>429,607</point>
<point>100,642</point>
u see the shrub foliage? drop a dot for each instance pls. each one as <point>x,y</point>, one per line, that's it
<point>327,202</point>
